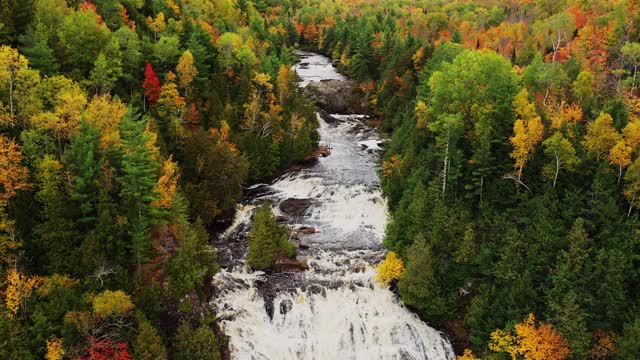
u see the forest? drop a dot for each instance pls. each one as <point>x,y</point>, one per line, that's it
<point>128,129</point>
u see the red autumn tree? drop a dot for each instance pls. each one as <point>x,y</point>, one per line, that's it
<point>106,349</point>
<point>151,85</point>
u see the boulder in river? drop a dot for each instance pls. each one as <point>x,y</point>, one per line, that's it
<point>295,207</point>
<point>286,264</point>
<point>334,96</point>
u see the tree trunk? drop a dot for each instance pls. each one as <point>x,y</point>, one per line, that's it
<point>11,80</point>
<point>445,166</point>
<point>619,175</point>
<point>633,82</point>
<point>555,177</point>
<point>631,204</point>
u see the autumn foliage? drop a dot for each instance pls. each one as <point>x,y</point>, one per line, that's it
<point>100,349</point>
<point>19,288</point>
<point>531,341</point>
<point>390,269</point>
<point>151,85</point>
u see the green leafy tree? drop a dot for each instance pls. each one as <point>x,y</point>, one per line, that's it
<point>107,68</point>
<point>562,154</point>
<point>214,171</point>
<point>82,37</point>
<point>199,344</point>
<point>130,49</point>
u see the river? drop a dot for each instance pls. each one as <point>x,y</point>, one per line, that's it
<point>335,310</point>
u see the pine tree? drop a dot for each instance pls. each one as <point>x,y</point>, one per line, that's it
<point>363,62</point>
<point>266,240</point>
<point>193,263</point>
<point>138,180</point>
<point>83,159</point>
<point>204,55</point>
<point>147,343</point>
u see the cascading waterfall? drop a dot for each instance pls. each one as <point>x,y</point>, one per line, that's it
<point>335,310</point>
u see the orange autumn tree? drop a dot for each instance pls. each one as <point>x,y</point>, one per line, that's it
<point>530,341</point>
<point>13,178</point>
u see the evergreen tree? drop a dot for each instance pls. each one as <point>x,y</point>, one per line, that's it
<point>36,48</point>
<point>193,263</point>
<point>57,238</point>
<point>83,159</point>
<point>138,180</point>
<point>147,343</point>
<point>266,240</point>
<point>629,342</point>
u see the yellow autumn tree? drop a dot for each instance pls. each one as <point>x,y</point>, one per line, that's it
<point>283,83</point>
<point>12,63</point>
<point>157,24</point>
<point>620,156</point>
<point>390,269</point>
<point>171,107</point>
<point>167,184</point>
<point>55,350</point>
<point>467,355</point>
<point>531,341</point>
<point>422,115</point>
<point>66,101</point>
<point>186,71</point>
<point>503,341</point>
<point>565,114</point>
<point>112,303</point>
<point>56,281</point>
<point>19,288</point>
<point>105,113</point>
<point>631,133</point>
<point>527,130</point>
<point>601,136</point>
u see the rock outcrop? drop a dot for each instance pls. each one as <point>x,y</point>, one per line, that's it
<point>334,96</point>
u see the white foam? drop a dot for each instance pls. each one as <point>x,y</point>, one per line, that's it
<point>347,315</point>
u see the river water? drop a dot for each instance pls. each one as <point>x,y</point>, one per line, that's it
<point>335,310</point>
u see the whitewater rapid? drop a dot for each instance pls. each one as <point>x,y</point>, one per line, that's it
<point>335,310</point>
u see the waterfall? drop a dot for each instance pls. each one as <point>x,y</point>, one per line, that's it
<point>336,309</point>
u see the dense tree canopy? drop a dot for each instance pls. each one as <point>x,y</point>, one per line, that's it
<point>122,140</point>
<point>128,128</point>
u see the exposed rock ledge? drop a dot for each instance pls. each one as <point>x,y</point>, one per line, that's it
<point>334,96</point>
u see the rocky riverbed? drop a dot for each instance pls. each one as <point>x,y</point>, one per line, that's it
<point>337,216</point>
